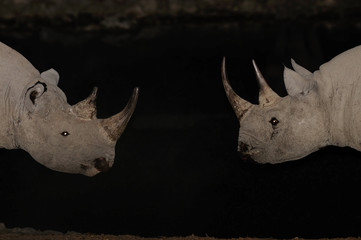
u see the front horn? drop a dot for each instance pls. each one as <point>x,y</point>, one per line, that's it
<point>115,125</point>
<point>239,105</point>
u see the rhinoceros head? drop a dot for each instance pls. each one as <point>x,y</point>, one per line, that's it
<point>68,138</point>
<point>280,129</point>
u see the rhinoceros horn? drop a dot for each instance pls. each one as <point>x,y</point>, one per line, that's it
<point>86,109</point>
<point>239,105</point>
<point>266,95</point>
<point>115,125</point>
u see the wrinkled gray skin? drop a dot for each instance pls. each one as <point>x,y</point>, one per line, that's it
<point>322,108</point>
<point>36,117</point>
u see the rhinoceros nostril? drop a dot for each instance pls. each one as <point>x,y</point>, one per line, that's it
<point>101,164</point>
<point>243,152</point>
<point>243,147</point>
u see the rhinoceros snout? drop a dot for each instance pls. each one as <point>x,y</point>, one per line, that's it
<point>243,150</point>
<point>101,164</point>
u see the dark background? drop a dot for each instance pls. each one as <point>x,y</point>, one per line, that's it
<point>176,170</point>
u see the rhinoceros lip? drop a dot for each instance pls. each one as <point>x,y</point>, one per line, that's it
<point>245,157</point>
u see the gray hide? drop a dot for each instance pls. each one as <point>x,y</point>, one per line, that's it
<point>36,117</point>
<point>322,108</point>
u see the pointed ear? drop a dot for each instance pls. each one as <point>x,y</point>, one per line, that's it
<point>297,84</point>
<point>33,94</point>
<point>50,76</point>
<point>299,69</point>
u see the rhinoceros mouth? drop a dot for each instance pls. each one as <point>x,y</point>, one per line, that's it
<point>245,157</point>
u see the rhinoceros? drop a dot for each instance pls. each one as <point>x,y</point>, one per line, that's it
<point>322,108</point>
<point>36,117</point>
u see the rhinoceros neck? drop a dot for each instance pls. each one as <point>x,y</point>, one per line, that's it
<point>339,82</point>
<point>16,74</point>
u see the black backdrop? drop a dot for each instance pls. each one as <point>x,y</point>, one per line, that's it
<point>177,171</point>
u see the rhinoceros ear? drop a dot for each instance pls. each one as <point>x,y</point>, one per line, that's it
<point>297,84</point>
<point>50,76</point>
<point>33,94</point>
<point>299,69</point>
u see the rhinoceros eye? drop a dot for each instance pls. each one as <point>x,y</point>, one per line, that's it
<point>274,121</point>
<point>65,133</point>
